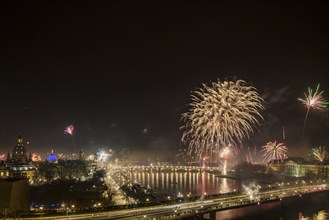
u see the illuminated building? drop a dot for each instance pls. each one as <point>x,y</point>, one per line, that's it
<point>4,171</point>
<point>19,164</point>
<point>298,167</point>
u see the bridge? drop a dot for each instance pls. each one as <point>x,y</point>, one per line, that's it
<point>170,168</point>
<point>197,209</point>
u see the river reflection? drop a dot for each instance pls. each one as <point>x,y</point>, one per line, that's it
<point>305,208</point>
<point>173,183</point>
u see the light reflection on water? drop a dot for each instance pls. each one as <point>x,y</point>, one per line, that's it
<point>184,182</point>
<point>310,208</point>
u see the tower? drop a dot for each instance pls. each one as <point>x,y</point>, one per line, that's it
<point>8,158</point>
<point>81,154</point>
<point>19,152</point>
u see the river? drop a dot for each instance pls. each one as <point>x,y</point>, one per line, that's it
<point>193,183</point>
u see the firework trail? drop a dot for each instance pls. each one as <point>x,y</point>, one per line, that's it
<point>319,153</point>
<point>248,156</point>
<point>225,154</point>
<point>313,100</point>
<point>220,114</point>
<point>70,130</point>
<point>273,151</point>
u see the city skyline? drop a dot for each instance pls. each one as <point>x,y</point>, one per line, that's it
<point>124,78</point>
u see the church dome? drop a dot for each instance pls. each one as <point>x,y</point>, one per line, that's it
<point>52,158</point>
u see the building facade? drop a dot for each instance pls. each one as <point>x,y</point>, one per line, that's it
<point>298,167</point>
<point>19,164</point>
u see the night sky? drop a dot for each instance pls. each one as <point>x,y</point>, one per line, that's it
<point>122,71</point>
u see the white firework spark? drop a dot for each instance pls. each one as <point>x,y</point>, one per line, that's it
<point>220,114</point>
<point>273,151</point>
<point>102,157</point>
<point>319,153</point>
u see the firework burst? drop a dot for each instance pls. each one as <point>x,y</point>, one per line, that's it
<point>273,151</point>
<point>225,153</point>
<point>36,157</point>
<point>313,100</point>
<point>319,153</point>
<point>70,130</point>
<point>61,156</point>
<point>220,114</point>
<point>102,157</point>
<point>2,156</point>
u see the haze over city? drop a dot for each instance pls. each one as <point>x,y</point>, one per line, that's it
<point>122,73</point>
